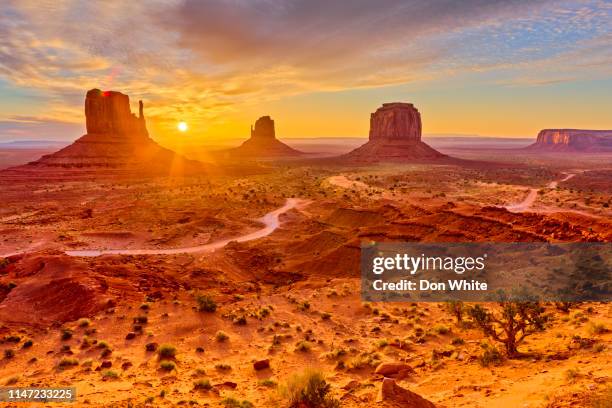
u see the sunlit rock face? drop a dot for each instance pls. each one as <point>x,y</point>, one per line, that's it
<point>109,112</point>
<point>395,135</point>
<point>263,129</point>
<point>573,140</point>
<point>396,121</point>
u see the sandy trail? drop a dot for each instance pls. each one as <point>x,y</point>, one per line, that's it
<point>270,220</point>
<point>533,194</point>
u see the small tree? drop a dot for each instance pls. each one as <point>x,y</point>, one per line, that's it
<point>516,321</point>
<point>456,308</point>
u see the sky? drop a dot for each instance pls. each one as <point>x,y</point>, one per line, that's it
<point>318,67</point>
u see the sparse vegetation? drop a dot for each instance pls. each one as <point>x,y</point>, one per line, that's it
<point>203,385</point>
<point>166,351</point>
<point>309,389</point>
<point>231,402</point>
<point>110,375</point>
<point>167,365</point>
<point>68,362</point>
<point>221,336</point>
<point>206,303</point>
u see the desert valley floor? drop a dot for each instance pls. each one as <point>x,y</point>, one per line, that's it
<point>292,295</point>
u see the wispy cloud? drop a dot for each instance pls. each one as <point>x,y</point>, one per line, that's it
<point>206,58</point>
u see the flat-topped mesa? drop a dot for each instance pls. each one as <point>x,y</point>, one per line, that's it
<point>263,129</point>
<point>397,120</point>
<point>108,112</point>
<point>395,136</point>
<point>573,140</point>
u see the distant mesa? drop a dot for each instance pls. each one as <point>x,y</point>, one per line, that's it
<point>395,135</point>
<point>573,140</point>
<point>263,142</point>
<point>115,139</point>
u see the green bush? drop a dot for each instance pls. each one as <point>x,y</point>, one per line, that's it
<point>202,385</point>
<point>221,336</point>
<point>167,365</point>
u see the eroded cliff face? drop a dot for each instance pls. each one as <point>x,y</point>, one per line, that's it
<point>109,112</point>
<point>574,140</point>
<point>396,120</point>
<point>395,135</point>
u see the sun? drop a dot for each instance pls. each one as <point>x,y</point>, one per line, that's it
<point>182,126</point>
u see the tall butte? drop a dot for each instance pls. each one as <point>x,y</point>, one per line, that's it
<point>395,135</point>
<point>115,139</point>
<point>263,142</point>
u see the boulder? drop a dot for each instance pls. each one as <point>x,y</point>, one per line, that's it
<point>391,369</point>
<point>392,393</point>
<point>261,364</point>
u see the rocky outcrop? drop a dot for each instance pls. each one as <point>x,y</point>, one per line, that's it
<point>395,135</point>
<point>575,140</point>
<point>396,121</point>
<point>263,129</point>
<point>262,143</point>
<point>393,394</point>
<point>115,139</point>
<point>109,112</point>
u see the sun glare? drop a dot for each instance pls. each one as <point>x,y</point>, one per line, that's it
<point>182,126</point>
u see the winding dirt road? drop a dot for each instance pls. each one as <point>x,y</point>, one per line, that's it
<point>533,194</point>
<point>270,220</point>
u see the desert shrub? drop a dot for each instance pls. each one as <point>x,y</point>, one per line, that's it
<point>223,367</point>
<point>512,324</point>
<point>268,383</point>
<point>572,374</point>
<point>206,303</point>
<point>9,353</point>
<point>102,345</point>
<point>598,328</point>
<point>304,306</point>
<point>204,385</point>
<point>231,402</point>
<point>166,351</point>
<point>457,309</point>
<point>309,389</point>
<point>68,362</point>
<point>441,329</point>
<point>325,315</point>
<point>84,322</point>
<point>110,374</point>
<point>12,339</point>
<point>145,306</point>
<point>27,344</point>
<point>167,365</point>
<point>66,334</point>
<point>490,356</point>
<point>564,306</point>
<point>241,320</point>
<point>221,336</point>
<point>303,346</point>
<point>363,360</point>
<point>457,341</point>
<point>141,320</point>
<point>382,343</point>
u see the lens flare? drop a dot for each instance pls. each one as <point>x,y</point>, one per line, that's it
<point>182,126</point>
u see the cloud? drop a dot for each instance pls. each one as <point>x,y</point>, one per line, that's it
<point>206,58</point>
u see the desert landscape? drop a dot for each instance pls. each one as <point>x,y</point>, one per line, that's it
<point>188,188</point>
<point>217,287</point>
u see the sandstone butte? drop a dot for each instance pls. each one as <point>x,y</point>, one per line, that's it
<point>573,140</point>
<point>263,142</point>
<point>395,135</point>
<point>115,139</point>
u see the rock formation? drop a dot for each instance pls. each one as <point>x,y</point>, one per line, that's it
<point>395,135</point>
<point>263,143</point>
<point>573,140</point>
<point>115,139</point>
<point>393,394</point>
